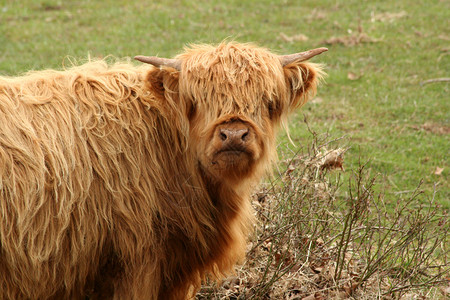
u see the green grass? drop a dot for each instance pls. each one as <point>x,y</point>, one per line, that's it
<point>402,127</point>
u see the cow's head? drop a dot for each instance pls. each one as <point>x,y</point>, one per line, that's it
<point>234,97</point>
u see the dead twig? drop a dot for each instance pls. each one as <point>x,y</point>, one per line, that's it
<point>442,79</point>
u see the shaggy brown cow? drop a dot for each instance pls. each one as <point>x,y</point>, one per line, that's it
<point>132,182</point>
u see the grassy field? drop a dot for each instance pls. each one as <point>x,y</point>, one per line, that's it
<point>380,54</point>
<point>376,94</point>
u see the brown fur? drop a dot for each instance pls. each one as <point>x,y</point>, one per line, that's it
<point>112,182</point>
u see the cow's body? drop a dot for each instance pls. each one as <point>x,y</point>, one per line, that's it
<point>133,182</point>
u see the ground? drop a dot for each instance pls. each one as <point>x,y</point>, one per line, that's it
<point>386,92</point>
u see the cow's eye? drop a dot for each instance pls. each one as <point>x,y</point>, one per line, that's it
<point>270,108</point>
<point>191,111</point>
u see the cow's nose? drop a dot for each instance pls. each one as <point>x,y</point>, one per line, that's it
<point>233,134</point>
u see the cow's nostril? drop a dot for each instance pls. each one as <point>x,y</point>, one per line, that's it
<point>223,136</point>
<point>244,136</point>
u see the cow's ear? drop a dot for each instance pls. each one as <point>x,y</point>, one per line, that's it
<point>163,83</point>
<point>301,80</point>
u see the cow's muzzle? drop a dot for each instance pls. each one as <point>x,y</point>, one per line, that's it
<point>233,138</point>
<point>234,149</point>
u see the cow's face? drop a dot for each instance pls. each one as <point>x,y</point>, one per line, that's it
<point>234,97</point>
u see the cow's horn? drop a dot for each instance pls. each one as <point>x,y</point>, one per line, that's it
<point>159,61</point>
<point>302,56</point>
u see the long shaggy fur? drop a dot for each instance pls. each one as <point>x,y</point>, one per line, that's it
<point>106,184</point>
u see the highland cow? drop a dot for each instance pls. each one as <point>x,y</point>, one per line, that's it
<point>128,182</point>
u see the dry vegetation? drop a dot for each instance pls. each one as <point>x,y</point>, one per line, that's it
<point>320,236</point>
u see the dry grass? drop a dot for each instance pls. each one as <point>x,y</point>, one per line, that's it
<point>321,238</point>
